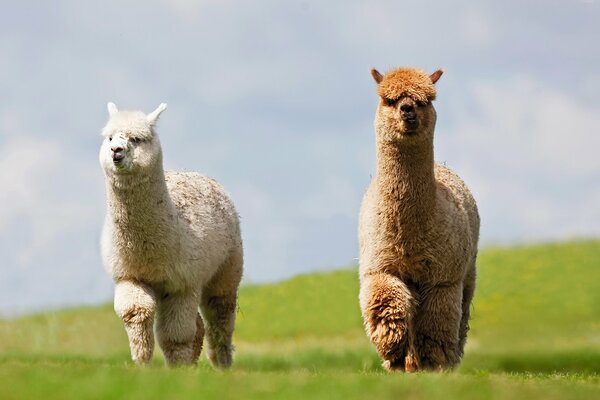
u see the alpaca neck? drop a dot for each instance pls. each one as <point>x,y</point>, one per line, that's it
<point>406,184</point>
<point>138,202</point>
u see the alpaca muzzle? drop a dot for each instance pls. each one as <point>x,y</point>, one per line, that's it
<point>408,114</point>
<point>411,121</point>
<point>117,154</point>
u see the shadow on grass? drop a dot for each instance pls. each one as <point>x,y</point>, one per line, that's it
<point>581,361</point>
<point>316,360</point>
<point>312,360</point>
<point>67,359</point>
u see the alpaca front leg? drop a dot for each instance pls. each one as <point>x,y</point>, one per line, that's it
<point>179,329</point>
<point>387,306</point>
<point>437,325</point>
<point>135,304</point>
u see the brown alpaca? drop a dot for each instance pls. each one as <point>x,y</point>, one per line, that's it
<point>418,234</point>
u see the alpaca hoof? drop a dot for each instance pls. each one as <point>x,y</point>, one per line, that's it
<point>393,365</point>
<point>221,358</point>
<point>411,363</point>
<point>141,359</point>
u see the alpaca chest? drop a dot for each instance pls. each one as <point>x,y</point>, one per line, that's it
<point>448,252</point>
<point>435,251</point>
<point>144,257</point>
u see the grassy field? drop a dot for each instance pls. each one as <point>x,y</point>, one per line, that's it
<point>535,334</point>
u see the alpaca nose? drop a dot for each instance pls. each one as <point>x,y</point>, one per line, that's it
<point>408,112</point>
<point>117,153</point>
<point>407,108</point>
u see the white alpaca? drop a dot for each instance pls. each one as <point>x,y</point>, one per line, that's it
<point>171,243</point>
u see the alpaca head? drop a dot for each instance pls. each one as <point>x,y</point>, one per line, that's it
<point>130,144</point>
<point>405,113</point>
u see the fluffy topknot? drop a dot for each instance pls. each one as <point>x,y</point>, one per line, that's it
<point>406,82</point>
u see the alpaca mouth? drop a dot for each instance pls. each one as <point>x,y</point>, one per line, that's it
<point>411,124</point>
<point>117,158</point>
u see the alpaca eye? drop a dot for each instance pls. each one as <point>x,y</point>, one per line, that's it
<point>421,103</point>
<point>135,140</point>
<point>110,138</point>
<point>390,102</point>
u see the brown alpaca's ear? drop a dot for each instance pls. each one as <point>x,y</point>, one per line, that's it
<point>376,75</point>
<point>436,75</point>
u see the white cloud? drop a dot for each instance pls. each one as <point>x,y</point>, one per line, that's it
<point>266,232</point>
<point>334,195</point>
<point>253,200</point>
<point>275,100</point>
<point>26,164</point>
<point>476,28</point>
<point>567,130</point>
<point>33,176</point>
<point>529,152</point>
<point>526,122</point>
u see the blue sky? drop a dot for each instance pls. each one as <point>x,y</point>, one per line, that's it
<point>275,100</point>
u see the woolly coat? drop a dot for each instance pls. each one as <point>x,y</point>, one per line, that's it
<point>172,232</point>
<point>172,244</point>
<point>418,235</point>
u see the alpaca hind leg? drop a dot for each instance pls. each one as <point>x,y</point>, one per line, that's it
<point>179,329</point>
<point>199,339</point>
<point>135,304</point>
<point>437,324</point>
<point>468,292</point>
<point>219,306</point>
<point>387,306</point>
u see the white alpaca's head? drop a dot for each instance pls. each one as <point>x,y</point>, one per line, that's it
<point>130,144</point>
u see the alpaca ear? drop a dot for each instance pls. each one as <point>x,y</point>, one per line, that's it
<point>376,75</point>
<point>436,75</point>
<point>153,116</point>
<point>112,109</point>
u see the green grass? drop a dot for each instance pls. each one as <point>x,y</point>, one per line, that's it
<point>535,334</point>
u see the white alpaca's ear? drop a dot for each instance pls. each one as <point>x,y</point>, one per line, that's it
<point>153,116</point>
<point>112,109</point>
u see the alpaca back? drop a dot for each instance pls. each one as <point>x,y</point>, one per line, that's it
<point>209,216</point>
<point>210,230</point>
<point>454,234</point>
<point>463,197</point>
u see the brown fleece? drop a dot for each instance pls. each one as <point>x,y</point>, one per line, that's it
<point>418,235</point>
<point>406,82</point>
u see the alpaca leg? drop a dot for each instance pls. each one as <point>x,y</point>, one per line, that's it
<point>468,292</point>
<point>179,329</point>
<point>387,306</point>
<point>135,304</point>
<point>437,326</point>
<point>218,306</point>
<point>199,339</point>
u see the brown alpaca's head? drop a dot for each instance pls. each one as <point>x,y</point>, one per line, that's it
<point>405,113</point>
